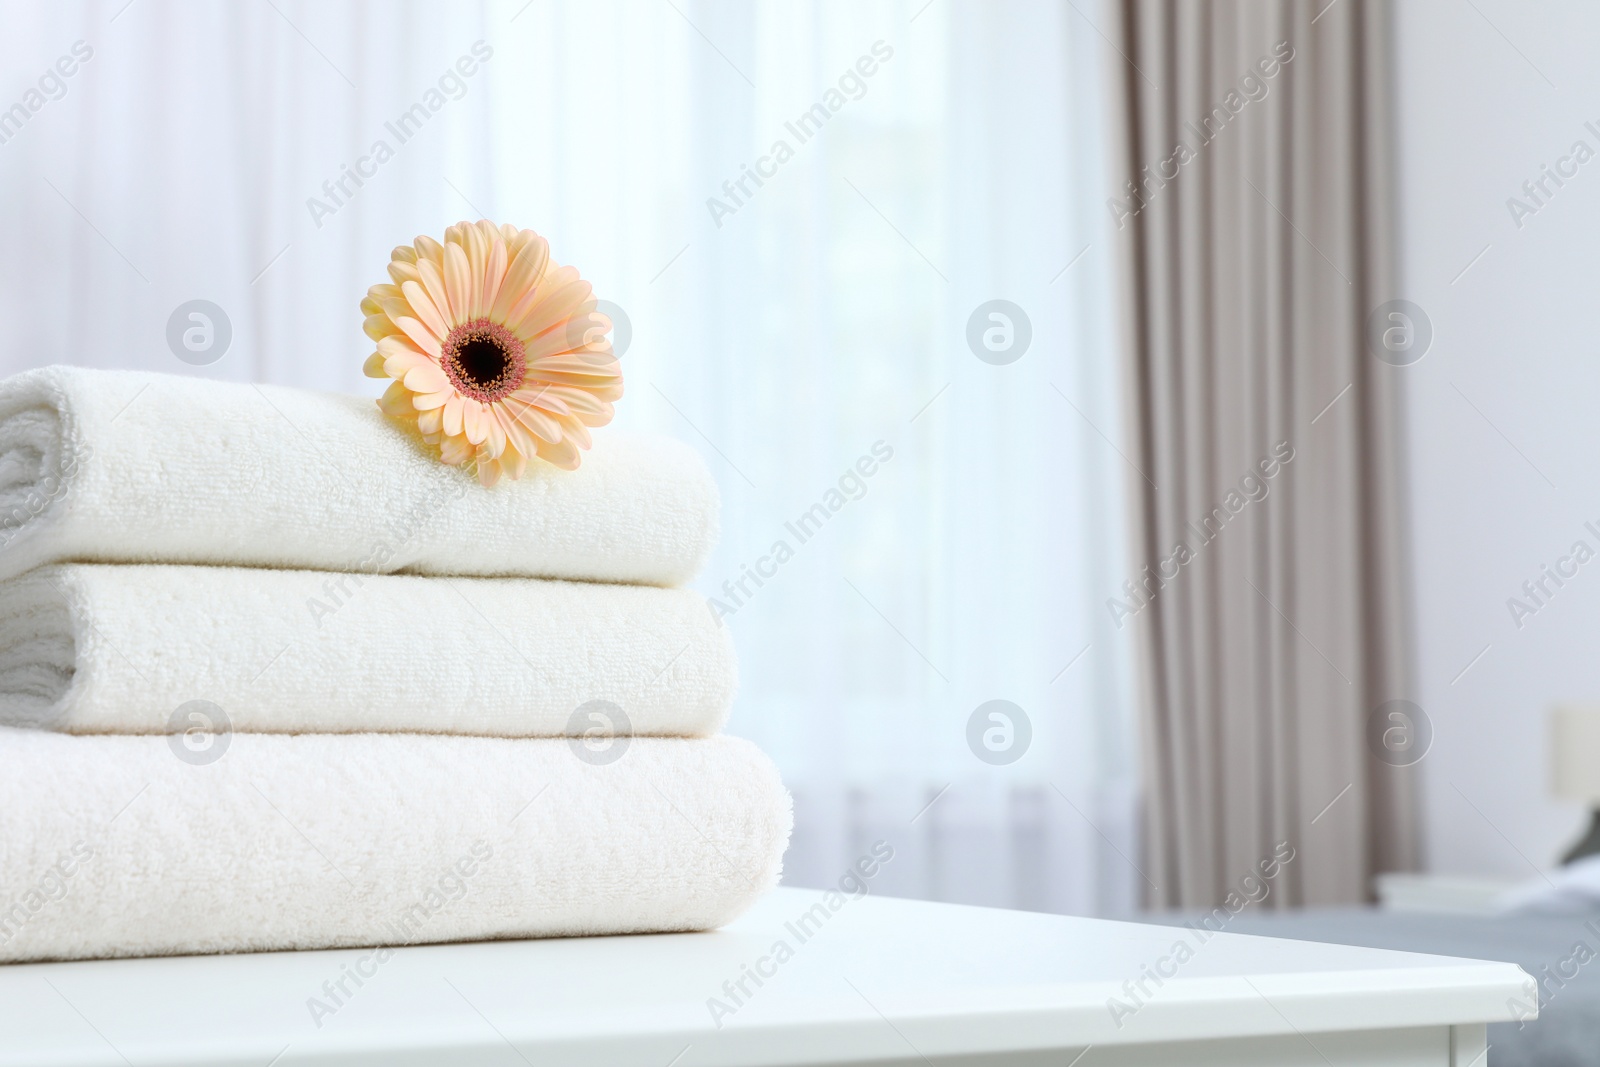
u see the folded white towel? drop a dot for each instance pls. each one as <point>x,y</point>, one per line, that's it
<point>96,648</point>
<point>126,467</point>
<point>115,846</point>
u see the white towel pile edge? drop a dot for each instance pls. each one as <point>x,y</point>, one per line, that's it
<point>273,678</point>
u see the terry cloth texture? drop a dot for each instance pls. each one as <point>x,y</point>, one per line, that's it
<point>117,846</point>
<point>129,467</point>
<point>93,648</point>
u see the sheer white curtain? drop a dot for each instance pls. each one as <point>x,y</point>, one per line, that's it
<point>802,329</point>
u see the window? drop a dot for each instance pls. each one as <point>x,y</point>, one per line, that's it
<point>801,314</point>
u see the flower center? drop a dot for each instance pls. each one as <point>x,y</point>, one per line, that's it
<point>484,360</point>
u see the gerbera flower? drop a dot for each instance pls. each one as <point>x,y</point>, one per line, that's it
<point>497,354</point>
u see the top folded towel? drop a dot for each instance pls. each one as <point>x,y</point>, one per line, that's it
<point>129,467</point>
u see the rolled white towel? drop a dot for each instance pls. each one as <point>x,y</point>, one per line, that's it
<point>117,846</point>
<point>128,467</point>
<point>96,648</point>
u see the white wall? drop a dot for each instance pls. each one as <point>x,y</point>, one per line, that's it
<point>1504,439</point>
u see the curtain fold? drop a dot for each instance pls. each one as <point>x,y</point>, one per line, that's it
<point>1252,202</point>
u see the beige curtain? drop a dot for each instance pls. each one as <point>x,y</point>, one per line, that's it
<point>1255,222</point>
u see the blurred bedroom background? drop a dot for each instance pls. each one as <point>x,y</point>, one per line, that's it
<point>979,259</point>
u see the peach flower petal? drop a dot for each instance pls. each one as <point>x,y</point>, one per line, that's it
<point>546,401</point>
<point>437,325</point>
<point>458,284</point>
<point>538,423</point>
<point>494,272</point>
<point>472,421</point>
<point>396,400</point>
<point>419,335</point>
<point>378,326</point>
<point>555,280</point>
<point>424,309</point>
<point>578,401</point>
<point>518,436</point>
<point>477,250</point>
<point>563,454</point>
<point>555,309</point>
<point>426,377</point>
<point>492,421</point>
<point>434,284</point>
<point>433,401</point>
<point>452,415</point>
<point>405,272</point>
<point>429,249</point>
<point>522,276</point>
<point>576,432</point>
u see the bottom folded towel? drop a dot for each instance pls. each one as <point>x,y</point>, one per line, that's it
<point>138,846</point>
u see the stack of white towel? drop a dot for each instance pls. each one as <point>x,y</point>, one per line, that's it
<point>228,722</point>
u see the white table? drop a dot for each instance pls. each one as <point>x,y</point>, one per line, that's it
<point>878,981</point>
